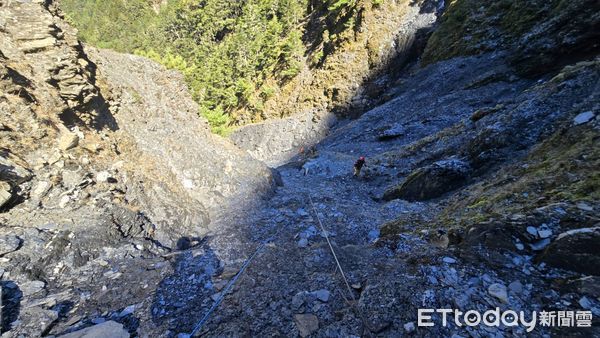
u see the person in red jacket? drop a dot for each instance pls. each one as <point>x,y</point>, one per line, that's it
<point>358,165</point>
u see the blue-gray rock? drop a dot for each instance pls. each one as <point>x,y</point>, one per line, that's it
<point>322,295</point>
<point>540,245</point>
<point>582,118</point>
<point>107,329</point>
<point>449,260</point>
<point>498,291</point>
<point>516,287</point>
<point>431,181</point>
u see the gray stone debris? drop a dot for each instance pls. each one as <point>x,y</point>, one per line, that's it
<point>103,176</point>
<point>516,287</point>
<point>9,243</point>
<point>409,327</point>
<point>449,260</point>
<point>33,287</point>
<point>68,141</point>
<point>5,193</point>
<point>306,324</point>
<point>303,243</point>
<point>109,329</point>
<point>392,132</point>
<point>40,189</point>
<point>498,291</point>
<point>584,206</point>
<point>585,303</point>
<point>322,295</point>
<point>544,231</point>
<point>540,245</point>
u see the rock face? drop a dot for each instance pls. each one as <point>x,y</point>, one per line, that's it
<point>541,35</point>
<point>431,181</point>
<point>44,60</point>
<point>277,141</point>
<point>343,84</point>
<point>575,250</point>
<point>104,163</point>
<point>158,113</point>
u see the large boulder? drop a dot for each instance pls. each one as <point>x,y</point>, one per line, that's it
<point>575,250</point>
<point>431,181</point>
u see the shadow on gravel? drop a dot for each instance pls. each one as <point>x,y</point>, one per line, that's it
<point>182,296</point>
<point>11,304</point>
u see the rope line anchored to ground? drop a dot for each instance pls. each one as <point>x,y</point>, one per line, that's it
<point>228,288</point>
<point>342,273</point>
<point>197,329</point>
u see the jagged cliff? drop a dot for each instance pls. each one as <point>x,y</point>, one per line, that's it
<point>102,156</point>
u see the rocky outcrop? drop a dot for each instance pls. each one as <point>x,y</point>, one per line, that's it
<point>575,250</point>
<point>45,62</point>
<point>155,109</point>
<point>541,35</point>
<point>431,181</point>
<point>104,167</point>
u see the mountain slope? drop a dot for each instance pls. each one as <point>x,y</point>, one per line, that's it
<point>257,60</point>
<point>121,212</point>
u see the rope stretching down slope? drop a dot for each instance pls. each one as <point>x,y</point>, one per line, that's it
<point>232,282</point>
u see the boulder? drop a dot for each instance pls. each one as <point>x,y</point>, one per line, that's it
<point>5,193</point>
<point>583,118</point>
<point>33,322</point>
<point>322,295</point>
<point>41,189</point>
<point>107,329</point>
<point>68,141</point>
<point>13,169</point>
<point>32,287</point>
<point>306,324</point>
<point>391,132</point>
<point>575,250</point>
<point>9,243</point>
<point>431,181</point>
<point>498,291</point>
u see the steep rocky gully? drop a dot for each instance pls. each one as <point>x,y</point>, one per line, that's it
<point>120,214</point>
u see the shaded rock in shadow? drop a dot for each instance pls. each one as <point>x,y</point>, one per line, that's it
<point>575,250</point>
<point>11,303</point>
<point>431,181</point>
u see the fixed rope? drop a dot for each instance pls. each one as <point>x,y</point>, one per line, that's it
<point>216,304</point>
<point>232,282</point>
<point>339,267</point>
